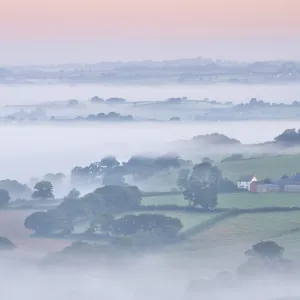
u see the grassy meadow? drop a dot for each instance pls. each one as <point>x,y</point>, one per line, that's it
<point>264,167</point>
<point>236,200</point>
<point>224,244</point>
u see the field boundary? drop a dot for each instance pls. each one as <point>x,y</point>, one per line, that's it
<point>208,224</point>
<point>232,213</point>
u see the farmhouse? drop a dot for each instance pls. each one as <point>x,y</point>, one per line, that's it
<point>288,184</point>
<point>262,187</point>
<point>244,182</point>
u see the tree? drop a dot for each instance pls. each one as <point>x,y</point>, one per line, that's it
<point>4,198</point>
<point>55,179</point>
<point>118,198</point>
<point>73,194</point>
<point>182,180</point>
<point>202,186</point>
<point>156,223</point>
<point>43,190</point>
<point>75,209</point>
<point>207,160</point>
<point>109,162</point>
<point>115,100</point>
<point>267,251</point>
<point>289,136</point>
<point>265,257</point>
<point>15,189</point>
<point>103,223</point>
<point>166,162</point>
<point>227,186</point>
<point>48,222</point>
<point>113,178</point>
<point>73,102</point>
<point>96,100</point>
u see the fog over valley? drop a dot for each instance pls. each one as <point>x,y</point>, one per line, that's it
<point>34,150</point>
<point>152,180</point>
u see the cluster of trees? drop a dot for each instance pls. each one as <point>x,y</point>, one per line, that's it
<point>109,171</point>
<point>112,116</point>
<point>128,225</point>
<point>105,200</point>
<point>290,136</point>
<point>15,189</point>
<point>130,234</point>
<point>265,257</point>
<point>100,207</point>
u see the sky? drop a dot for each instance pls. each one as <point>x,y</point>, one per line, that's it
<point>96,30</point>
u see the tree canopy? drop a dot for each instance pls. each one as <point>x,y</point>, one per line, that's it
<point>52,221</point>
<point>43,190</point>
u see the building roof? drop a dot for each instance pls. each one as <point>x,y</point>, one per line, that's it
<point>293,180</point>
<point>246,178</point>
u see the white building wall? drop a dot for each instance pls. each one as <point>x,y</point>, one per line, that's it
<point>243,185</point>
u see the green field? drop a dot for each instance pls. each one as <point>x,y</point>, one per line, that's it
<point>237,200</point>
<point>265,167</point>
<point>224,244</point>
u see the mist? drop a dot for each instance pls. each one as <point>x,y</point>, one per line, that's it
<point>35,150</point>
<point>35,94</point>
<point>147,278</point>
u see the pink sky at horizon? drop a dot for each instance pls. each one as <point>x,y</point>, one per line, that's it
<point>42,31</point>
<point>60,19</point>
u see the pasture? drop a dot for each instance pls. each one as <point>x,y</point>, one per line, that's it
<point>272,167</point>
<point>12,227</point>
<point>235,200</point>
<point>224,244</point>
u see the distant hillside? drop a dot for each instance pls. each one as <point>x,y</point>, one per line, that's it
<point>216,138</point>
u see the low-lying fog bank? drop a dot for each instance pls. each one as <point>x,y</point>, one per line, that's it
<point>149,278</point>
<point>29,151</point>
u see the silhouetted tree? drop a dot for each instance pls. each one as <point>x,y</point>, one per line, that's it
<point>43,190</point>
<point>73,194</point>
<point>267,251</point>
<point>48,222</point>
